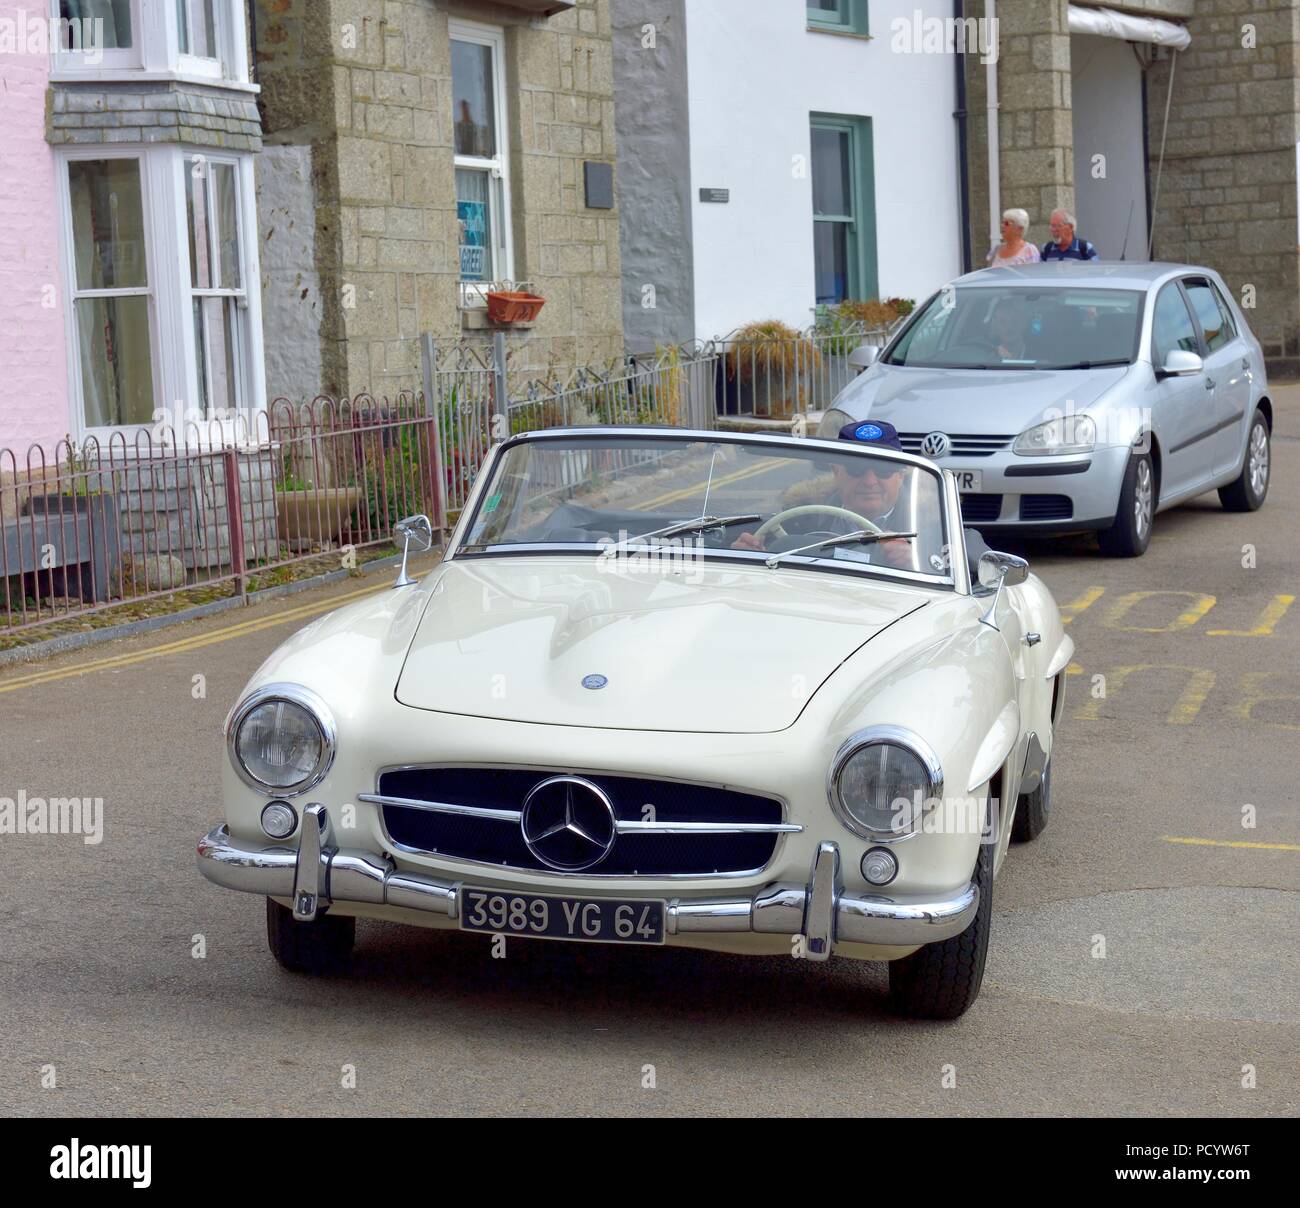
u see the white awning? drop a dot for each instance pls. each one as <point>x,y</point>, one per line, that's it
<point>1107,23</point>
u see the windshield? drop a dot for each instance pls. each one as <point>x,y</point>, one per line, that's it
<point>1020,327</point>
<point>618,494</point>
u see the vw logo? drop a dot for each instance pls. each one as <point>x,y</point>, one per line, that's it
<point>568,823</point>
<point>594,681</point>
<point>936,444</point>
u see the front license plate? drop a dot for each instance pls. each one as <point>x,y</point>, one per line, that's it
<point>594,920</point>
<point>969,480</point>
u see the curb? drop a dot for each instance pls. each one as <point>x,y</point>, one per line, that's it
<point>76,641</point>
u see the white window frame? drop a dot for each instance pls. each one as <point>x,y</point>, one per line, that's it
<point>473,294</point>
<point>74,63</point>
<point>155,53</point>
<point>173,344</point>
<point>71,293</point>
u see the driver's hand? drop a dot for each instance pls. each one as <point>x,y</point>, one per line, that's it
<point>897,554</point>
<point>749,541</point>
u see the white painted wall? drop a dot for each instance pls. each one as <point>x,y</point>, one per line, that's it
<point>756,74</point>
<point>1106,90</point>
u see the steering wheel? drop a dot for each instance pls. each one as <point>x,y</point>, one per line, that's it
<point>773,526</point>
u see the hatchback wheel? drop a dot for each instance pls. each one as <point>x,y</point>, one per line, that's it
<point>1246,492</point>
<point>1130,535</point>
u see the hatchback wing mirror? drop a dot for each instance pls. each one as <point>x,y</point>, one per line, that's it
<point>864,356</point>
<point>417,531</point>
<point>1180,363</point>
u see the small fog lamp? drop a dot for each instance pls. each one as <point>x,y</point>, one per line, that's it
<point>279,819</point>
<point>879,866</point>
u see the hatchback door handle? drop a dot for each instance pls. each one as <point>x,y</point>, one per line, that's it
<point>1209,383</point>
<point>1245,363</point>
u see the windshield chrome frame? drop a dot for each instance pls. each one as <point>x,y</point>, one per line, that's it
<point>957,578</point>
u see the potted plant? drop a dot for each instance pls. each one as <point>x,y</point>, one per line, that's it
<point>772,361</point>
<point>513,305</point>
<point>308,514</point>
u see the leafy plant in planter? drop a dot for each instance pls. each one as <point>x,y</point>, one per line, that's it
<point>306,513</point>
<point>395,481</point>
<point>773,360</point>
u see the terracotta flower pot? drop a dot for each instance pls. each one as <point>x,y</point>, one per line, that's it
<point>513,306</point>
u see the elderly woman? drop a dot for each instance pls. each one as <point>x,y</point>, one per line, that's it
<point>1014,248</point>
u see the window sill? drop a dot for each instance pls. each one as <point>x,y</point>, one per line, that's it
<point>134,75</point>
<point>475,318</point>
<point>840,33</point>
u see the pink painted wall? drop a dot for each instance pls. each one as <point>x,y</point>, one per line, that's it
<point>33,349</point>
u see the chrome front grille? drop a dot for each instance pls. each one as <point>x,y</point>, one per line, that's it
<point>663,828</point>
<point>962,445</point>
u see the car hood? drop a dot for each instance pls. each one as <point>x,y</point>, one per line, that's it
<point>974,401</point>
<point>710,648</point>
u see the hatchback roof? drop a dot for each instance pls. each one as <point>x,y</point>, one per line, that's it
<point>1118,274</point>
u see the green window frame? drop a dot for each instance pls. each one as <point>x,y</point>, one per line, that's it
<point>838,16</point>
<point>856,233</point>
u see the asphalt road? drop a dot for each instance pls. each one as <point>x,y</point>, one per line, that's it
<point>102,994</point>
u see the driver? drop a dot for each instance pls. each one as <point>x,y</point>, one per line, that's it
<point>863,487</point>
<point>1009,328</point>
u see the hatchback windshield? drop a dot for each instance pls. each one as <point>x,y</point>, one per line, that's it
<point>1020,327</point>
<point>715,498</point>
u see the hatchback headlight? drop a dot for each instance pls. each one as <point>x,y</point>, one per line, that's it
<point>880,779</point>
<point>832,421</point>
<point>1065,434</point>
<point>281,739</point>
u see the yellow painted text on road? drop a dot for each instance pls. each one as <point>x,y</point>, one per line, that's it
<point>1195,606</point>
<point>1273,612</point>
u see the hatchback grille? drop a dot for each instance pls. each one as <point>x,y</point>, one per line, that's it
<point>981,507</point>
<point>1046,507</point>
<point>498,842</point>
<point>962,445</point>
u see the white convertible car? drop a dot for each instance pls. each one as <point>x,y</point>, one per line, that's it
<point>734,692</point>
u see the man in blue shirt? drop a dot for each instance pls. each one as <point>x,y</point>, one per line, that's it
<point>1064,245</point>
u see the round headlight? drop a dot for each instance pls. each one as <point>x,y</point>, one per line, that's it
<point>880,780</point>
<point>831,423</point>
<point>282,740</point>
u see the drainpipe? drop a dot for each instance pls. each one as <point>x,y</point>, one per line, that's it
<point>991,76</point>
<point>963,146</point>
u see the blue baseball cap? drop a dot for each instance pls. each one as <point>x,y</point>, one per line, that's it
<point>872,432</point>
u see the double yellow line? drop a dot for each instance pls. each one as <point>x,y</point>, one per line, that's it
<point>182,645</point>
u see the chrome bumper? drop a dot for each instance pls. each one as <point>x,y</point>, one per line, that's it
<point>319,874</point>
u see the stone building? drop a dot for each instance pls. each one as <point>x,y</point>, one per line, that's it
<point>1081,110</point>
<point>416,151</point>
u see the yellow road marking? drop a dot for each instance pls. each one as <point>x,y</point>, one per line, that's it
<point>1273,612</point>
<point>770,463</point>
<point>1087,600</point>
<point>1230,843</point>
<point>1199,606</point>
<point>195,642</point>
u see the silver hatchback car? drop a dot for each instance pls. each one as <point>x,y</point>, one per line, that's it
<point>1077,396</point>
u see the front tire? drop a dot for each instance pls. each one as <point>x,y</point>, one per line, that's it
<point>1032,810</point>
<point>321,946</point>
<point>941,980</point>
<point>1130,535</point>
<point>1247,492</point>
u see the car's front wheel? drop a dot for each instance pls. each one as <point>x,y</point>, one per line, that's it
<point>941,980</point>
<point>1246,492</point>
<point>321,946</point>
<point>1130,534</point>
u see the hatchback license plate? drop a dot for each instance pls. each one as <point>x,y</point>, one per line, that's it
<point>969,480</point>
<point>543,916</point>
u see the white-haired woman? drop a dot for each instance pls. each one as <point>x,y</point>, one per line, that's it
<point>1014,248</point>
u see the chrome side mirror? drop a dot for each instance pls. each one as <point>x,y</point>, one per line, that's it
<point>1181,363</point>
<point>864,356</point>
<point>996,571</point>
<point>417,530</point>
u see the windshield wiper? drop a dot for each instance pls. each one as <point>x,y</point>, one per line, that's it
<point>680,528</point>
<point>862,537</point>
<point>1092,364</point>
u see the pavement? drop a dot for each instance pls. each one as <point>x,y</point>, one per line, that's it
<point>1144,953</point>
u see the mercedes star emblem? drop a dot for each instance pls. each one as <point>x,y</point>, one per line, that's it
<point>568,823</point>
